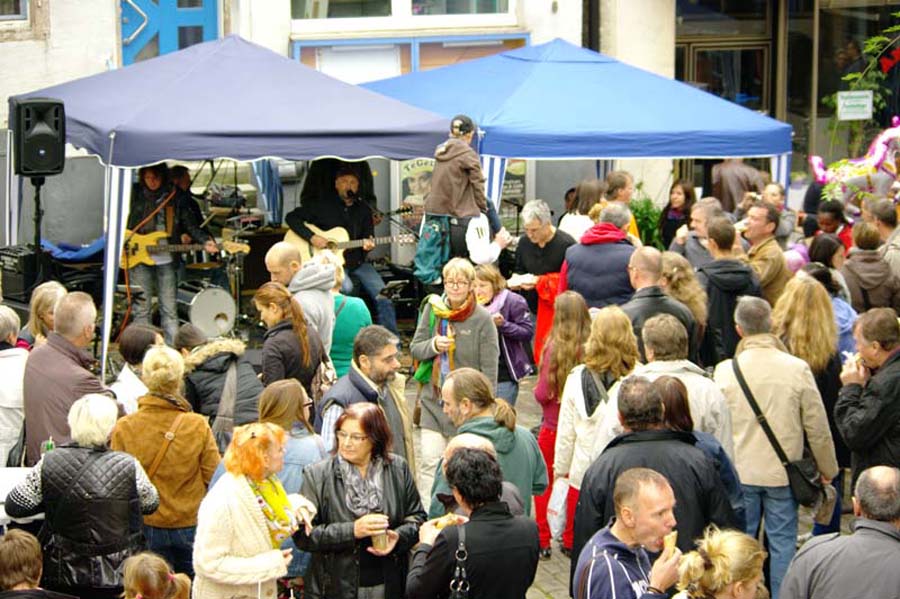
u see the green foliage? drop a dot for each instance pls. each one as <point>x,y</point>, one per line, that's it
<point>870,79</point>
<point>647,216</point>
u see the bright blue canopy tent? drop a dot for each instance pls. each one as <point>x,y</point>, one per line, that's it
<point>225,98</point>
<point>558,101</point>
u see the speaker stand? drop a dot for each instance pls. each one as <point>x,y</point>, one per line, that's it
<point>39,254</point>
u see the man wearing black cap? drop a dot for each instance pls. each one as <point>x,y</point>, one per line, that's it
<point>457,183</point>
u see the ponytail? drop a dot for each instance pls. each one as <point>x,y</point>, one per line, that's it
<point>504,414</point>
<point>278,294</point>
<point>298,322</point>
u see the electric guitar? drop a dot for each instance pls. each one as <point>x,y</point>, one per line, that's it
<point>339,240</point>
<point>139,249</point>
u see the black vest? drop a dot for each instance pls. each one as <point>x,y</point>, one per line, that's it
<point>93,516</point>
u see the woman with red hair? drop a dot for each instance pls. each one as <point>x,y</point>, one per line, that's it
<point>368,512</point>
<point>244,519</point>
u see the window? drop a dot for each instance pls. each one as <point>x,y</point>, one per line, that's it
<point>722,17</point>
<point>336,9</point>
<point>459,7</point>
<point>13,10</point>
<point>736,74</point>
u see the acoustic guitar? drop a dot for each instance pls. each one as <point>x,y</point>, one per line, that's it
<point>139,249</point>
<point>339,240</point>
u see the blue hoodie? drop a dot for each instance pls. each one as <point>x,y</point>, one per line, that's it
<point>844,317</point>
<point>610,569</point>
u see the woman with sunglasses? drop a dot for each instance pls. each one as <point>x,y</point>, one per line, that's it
<point>368,512</point>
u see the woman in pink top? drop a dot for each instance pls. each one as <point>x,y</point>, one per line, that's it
<point>563,351</point>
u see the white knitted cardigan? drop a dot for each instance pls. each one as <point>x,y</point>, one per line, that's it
<point>233,554</point>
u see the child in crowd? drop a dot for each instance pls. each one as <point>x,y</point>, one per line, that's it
<point>148,576</point>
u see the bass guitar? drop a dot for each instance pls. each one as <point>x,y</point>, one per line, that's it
<point>140,249</point>
<point>339,240</point>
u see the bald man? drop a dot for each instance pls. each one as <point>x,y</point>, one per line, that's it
<point>509,493</point>
<point>645,272</point>
<point>862,564</point>
<point>311,284</point>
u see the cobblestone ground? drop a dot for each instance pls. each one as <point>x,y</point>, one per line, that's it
<point>552,578</point>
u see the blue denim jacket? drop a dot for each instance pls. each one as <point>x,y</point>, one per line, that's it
<point>302,449</point>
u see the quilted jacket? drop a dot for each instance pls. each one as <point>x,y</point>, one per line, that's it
<point>93,516</point>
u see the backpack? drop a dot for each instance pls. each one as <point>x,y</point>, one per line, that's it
<point>433,249</point>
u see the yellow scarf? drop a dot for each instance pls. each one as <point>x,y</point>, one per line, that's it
<point>276,507</point>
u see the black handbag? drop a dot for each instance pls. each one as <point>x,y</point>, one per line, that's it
<point>459,584</point>
<point>803,474</point>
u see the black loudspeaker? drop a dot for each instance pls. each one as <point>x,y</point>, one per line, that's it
<point>40,137</point>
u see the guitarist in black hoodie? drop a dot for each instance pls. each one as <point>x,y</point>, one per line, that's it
<point>157,205</point>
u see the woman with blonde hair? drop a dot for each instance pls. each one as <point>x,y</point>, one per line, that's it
<point>680,282</point>
<point>610,354</point>
<point>148,576</point>
<point>453,332</point>
<point>563,351</point>
<point>177,449</point>
<point>727,564</point>
<point>41,310</point>
<point>803,319</point>
<point>291,349</point>
<point>244,519</point>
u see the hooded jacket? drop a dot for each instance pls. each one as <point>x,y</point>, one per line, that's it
<point>517,452</point>
<point>837,566</point>
<point>457,181</point>
<point>311,287</point>
<point>844,317</point>
<point>700,496</point>
<point>608,568</point>
<point>867,270</point>
<point>725,281</point>
<point>597,267</point>
<point>868,417</point>
<point>205,371</point>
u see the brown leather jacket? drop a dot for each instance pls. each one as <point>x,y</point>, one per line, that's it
<point>186,467</point>
<point>457,182</point>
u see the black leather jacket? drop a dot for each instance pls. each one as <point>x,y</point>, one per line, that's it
<point>334,571</point>
<point>93,517</point>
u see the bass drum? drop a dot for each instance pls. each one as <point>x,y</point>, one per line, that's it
<point>209,308</point>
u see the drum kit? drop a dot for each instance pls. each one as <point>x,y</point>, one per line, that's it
<point>208,306</point>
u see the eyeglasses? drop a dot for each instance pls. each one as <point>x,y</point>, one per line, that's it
<point>309,404</point>
<point>456,283</point>
<point>345,436</point>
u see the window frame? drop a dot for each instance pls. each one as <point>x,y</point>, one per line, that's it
<point>23,16</point>
<point>402,19</point>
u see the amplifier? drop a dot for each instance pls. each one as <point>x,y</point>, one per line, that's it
<point>18,265</point>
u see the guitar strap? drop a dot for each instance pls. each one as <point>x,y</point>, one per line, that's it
<point>155,211</point>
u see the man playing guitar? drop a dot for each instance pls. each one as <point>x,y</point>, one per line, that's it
<point>342,207</point>
<point>157,205</point>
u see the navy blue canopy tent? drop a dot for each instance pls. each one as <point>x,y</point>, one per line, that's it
<point>559,101</point>
<point>226,98</point>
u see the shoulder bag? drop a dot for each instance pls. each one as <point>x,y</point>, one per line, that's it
<point>223,427</point>
<point>803,474</point>
<point>167,440</point>
<point>459,584</point>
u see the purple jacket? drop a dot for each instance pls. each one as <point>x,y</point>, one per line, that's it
<point>517,330</point>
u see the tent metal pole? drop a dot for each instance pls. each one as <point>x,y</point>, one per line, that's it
<point>10,187</point>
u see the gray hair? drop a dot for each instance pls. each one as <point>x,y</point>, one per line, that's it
<point>710,206</point>
<point>640,404</point>
<point>884,210</point>
<point>371,341</point>
<point>9,322</point>
<point>878,493</point>
<point>91,419</point>
<point>753,315</point>
<point>74,312</point>
<point>536,210</point>
<point>470,440</point>
<point>616,214</point>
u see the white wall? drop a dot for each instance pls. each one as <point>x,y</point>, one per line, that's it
<point>267,23</point>
<point>549,19</point>
<point>642,33</point>
<point>83,40</point>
